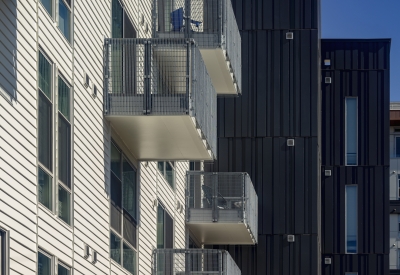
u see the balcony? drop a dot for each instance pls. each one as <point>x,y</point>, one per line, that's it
<point>214,28</point>
<point>193,262</point>
<point>221,208</point>
<point>159,98</point>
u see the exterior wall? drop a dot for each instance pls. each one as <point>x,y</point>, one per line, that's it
<point>280,100</point>
<point>25,27</point>
<point>358,68</point>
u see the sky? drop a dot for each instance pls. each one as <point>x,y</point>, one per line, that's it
<point>366,19</point>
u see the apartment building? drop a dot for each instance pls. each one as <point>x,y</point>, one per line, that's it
<point>394,195</point>
<point>190,137</point>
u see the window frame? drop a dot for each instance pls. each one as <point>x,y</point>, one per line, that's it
<point>70,25</point>
<point>166,212</point>
<point>123,240</point>
<point>345,138</point>
<point>164,172</point>
<point>59,182</point>
<point>60,263</point>
<point>48,255</point>
<point>56,183</point>
<point>4,252</point>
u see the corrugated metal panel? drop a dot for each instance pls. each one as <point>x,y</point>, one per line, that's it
<point>276,14</point>
<point>373,208</point>
<point>368,264</point>
<point>280,84</point>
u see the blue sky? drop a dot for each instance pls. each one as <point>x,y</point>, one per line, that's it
<point>366,19</point>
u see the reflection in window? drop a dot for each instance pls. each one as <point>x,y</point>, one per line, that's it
<point>45,188</point>
<point>64,19</point>
<point>44,264</point>
<point>64,204</point>
<point>351,131</point>
<point>351,218</point>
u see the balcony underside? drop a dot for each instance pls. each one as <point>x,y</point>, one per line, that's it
<point>221,233</point>
<point>161,137</point>
<point>219,71</point>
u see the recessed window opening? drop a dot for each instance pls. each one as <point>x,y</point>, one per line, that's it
<point>351,133</point>
<point>351,218</point>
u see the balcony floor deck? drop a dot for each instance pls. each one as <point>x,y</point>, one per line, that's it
<point>161,137</point>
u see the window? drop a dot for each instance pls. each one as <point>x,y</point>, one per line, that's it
<point>398,185</point>
<point>122,26</point>
<point>64,18</point>
<point>166,168</point>
<point>165,228</point>
<point>48,5</point>
<point>63,269</point>
<point>45,133</point>
<point>123,211</point>
<point>351,218</point>
<point>351,131</point>
<point>54,106</point>
<point>351,273</point>
<point>397,139</point>
<point>3,252</point>
<point>64,151</point>
<point>44,264</point>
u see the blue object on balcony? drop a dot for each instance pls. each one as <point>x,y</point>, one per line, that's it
<point>177,20</point>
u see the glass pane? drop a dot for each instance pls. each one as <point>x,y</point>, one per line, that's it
<point>44,264</point>
<point>351,219</point>
<point>64,151</point>
<point>115,161</point>
<point>397,147</point>
<point>44,75</point>
<point>64,21</point>
<point>63,270</point>
<point>129,229</point>
<point>351,131</point>
<point>117,17</point>
<point>48,4</point>
<point>45,189</point>
<point>169,231</point>
<point>45,132</point>
<point>160,227</point>
<point>115,247</point>
<point>129,259</point>
<point>169,174</point>
<point>129,30</point>
<point>63,98</point>
<point>2,250</point>
<point>116,203</point>
<point>129,177</point>
<point>160,166</point>
<point>64,204</point>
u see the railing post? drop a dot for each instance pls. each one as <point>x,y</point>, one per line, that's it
<point>221,258</point>
<point>214,181</point>
<point>147,72</point>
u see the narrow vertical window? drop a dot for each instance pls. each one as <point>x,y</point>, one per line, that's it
<point>64,151</point>
<point>398,186</point>
<point>64,18</point>
<point>3,252</point>
<point>115,247</point>
<point>351,131</point>
<point>165,239</point>
<point>351,218</point>
<point>63,269</point>
<point>397,147</point>
<point>166,168</point>
<point>44,264</point>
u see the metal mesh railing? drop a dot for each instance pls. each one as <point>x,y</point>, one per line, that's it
<point>212,24</point>
<point>193,262</point>
<point>159,77</point>
<point>222,197</point>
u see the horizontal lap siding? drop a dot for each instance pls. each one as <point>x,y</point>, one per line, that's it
<point>359,68</point>
<point>18,127</point>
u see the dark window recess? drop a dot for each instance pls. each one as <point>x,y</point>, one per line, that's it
<point>64,151</point>
<point>116,206</point>
<point>129,30</point>
<point>165,228</point>
<point>130,229</point>
<point>45,132</point>
<point>397,147</point>
<point>3,252</point>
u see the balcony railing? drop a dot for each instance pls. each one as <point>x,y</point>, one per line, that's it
<point>193,262</point>
<point>221,208</point>
<point>212,24</point>
<point>159,78</point>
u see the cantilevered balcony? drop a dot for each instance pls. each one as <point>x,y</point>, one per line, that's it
<point>212,24</point>
<point>193,262</point>
<point>160,99</point>
<point>221,208</point>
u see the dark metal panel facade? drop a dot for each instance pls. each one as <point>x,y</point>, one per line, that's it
<point>358,68</point>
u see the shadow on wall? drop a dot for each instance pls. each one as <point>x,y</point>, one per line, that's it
<point>8,50</point>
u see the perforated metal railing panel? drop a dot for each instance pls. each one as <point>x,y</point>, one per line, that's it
<point>230,197</point>
<point>193,261</point>
<point>212,24</point>
<point>160,77</point>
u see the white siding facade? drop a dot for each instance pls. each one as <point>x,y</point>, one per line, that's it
<point>25,29</point>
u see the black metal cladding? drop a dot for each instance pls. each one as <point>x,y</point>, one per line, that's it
<point>280,100</point>
<point>358,68</point>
